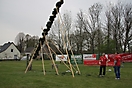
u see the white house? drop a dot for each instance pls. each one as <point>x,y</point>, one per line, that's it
<point>9,51</point>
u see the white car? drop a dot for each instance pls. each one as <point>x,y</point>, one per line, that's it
<point>24,58</point>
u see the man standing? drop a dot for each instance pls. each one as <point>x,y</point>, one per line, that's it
<point>102,62</point>
<point>117,64</point>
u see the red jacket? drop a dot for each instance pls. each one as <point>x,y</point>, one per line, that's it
<point>117,60</point>
<point>103,60</point>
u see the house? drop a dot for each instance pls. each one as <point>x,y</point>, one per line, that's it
<point>9,51</point>
<point>30,51</point>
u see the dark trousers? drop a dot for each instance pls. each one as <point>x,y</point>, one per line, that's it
<point>102,69</point>
<point>117,71</point>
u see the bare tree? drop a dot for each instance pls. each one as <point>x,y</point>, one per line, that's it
<point>117,27</point>
<point>31,41</point>
<point>35,40</point>
<point>79,31</point>
<point>55,34</point>
<point>19,40</point>
<point>97,12</point>
<point>93,26</point>
<point>24,41</point>
<point>27,38</point>
<point>127,26</point>
<point>67,20</point>
<point>108,26</point>
<point>61,31</point>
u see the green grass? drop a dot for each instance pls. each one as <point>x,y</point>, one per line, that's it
<point>12,76</point>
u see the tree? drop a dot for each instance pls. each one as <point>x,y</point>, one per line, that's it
<point>61,31</point>
<point>27,38</point>
<point>19,40</point>
<point>31,41</point>
<point>79,31</point>
<point>99,37</point>
<point>24,41</point>
<point>117,27</point>
<point>93,26</point>
<point>108,28</point>
<point>127,26</point>
<point>55,35</point>
<point>67,20</point>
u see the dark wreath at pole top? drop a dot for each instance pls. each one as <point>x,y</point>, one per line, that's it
<point>48,26</point>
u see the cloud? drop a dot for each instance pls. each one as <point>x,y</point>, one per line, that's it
<point>7,34</point>
<point>29,15</point>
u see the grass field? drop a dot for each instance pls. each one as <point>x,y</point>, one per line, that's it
<point>12,76</point>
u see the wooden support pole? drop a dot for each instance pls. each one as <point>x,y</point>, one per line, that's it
<point>62,54</point>
<point>76,63</point>
<point>42,59</point>
<point>66,47</point>
<point>31,59</point>
<point>28,65</point>
<point>70,64</point>
<point>70,47</point>
<point>52,58</point>
<point>60,59</point>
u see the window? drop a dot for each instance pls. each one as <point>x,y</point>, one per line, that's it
<point>11,50</point>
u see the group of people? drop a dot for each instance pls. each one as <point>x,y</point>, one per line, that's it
<point>103,60</point>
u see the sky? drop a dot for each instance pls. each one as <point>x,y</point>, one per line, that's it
<point>28,16</point>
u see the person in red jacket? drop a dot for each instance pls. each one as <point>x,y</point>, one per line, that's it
<point>117,64</point>
<point>102,61</point>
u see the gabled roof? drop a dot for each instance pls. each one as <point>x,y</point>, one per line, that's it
<point>29,49</point>
<point>46,49</point>
<point>5,46</point>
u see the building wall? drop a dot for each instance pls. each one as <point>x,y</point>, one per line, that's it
<point>10,52</point>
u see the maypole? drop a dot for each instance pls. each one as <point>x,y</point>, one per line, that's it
<point>48,26</point>
<point>45,31</point>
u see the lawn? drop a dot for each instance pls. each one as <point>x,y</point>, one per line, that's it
<point>12,76</point>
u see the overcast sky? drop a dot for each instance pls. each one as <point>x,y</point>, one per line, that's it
<point>28,16</point>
